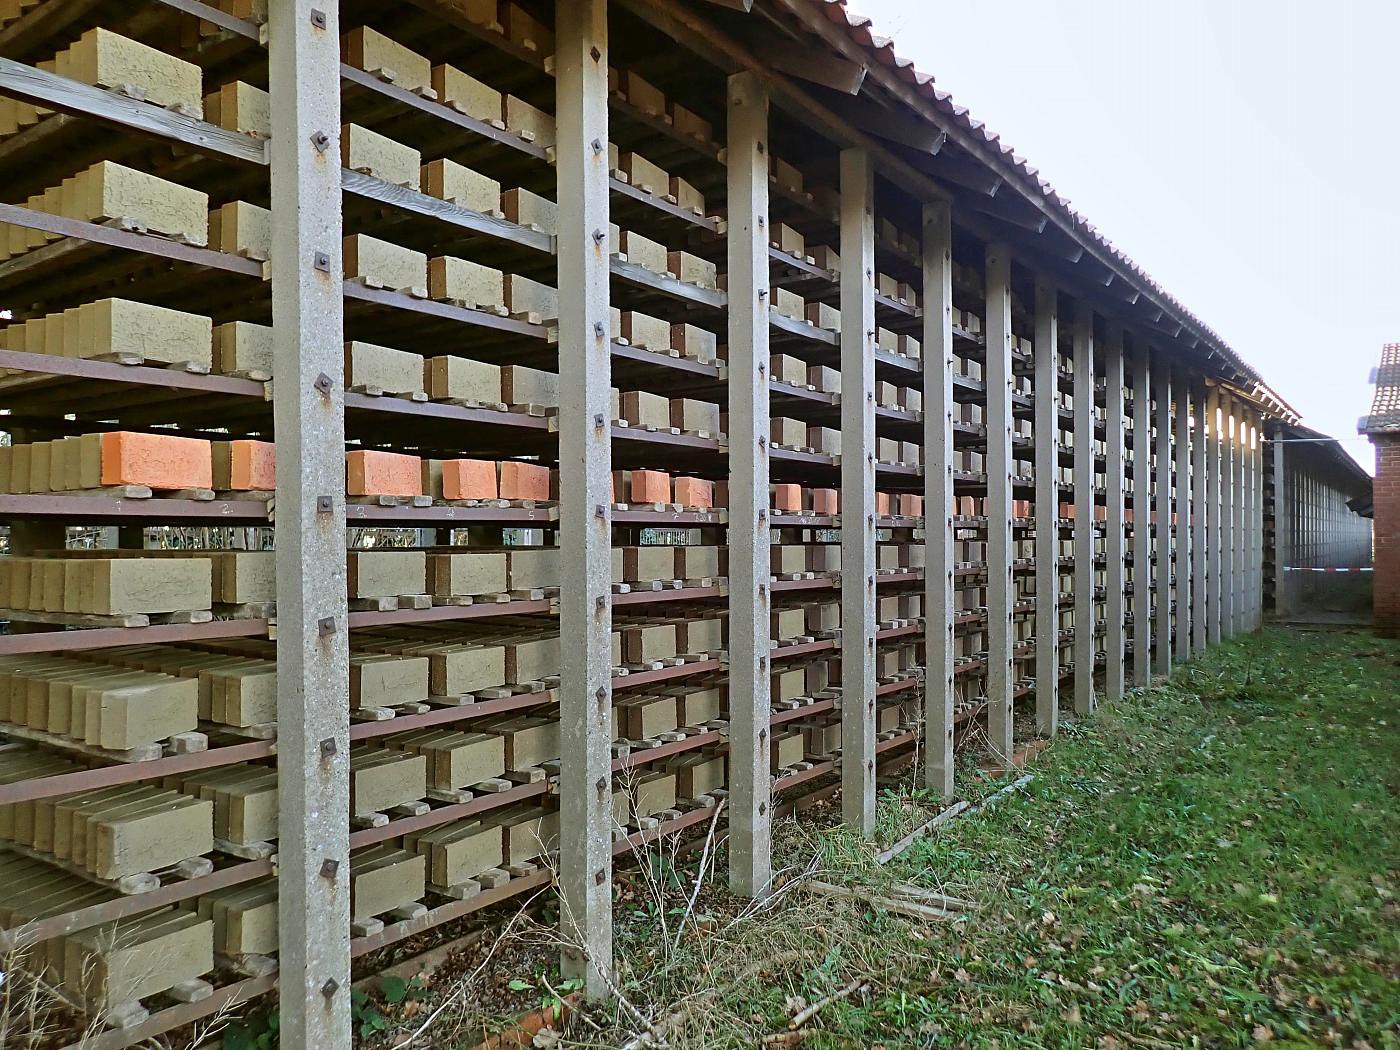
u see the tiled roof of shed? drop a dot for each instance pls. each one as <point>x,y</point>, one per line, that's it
<point>1007,162</point>
<point>1385,407</point>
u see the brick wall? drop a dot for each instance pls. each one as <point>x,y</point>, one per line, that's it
<point>1387,533</point>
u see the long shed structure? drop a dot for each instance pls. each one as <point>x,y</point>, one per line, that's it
<point>457,441</point>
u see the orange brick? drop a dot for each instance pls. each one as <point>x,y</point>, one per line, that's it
<point>524,480</point>
<point>382,474</point>
<point>826,501</point>
<point>787,498</point>
<point>650,486</point>
<point>695,492</point>
<point>469,479</point>
<point>882,504</point>
<point>967,506</point>
<point>159,461</point>
<point>910,506</point>
<point>250,465</point>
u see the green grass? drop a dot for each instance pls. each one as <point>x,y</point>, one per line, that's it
<point>1213,862</point>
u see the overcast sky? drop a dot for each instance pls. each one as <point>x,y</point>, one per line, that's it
<point>1246,153</point>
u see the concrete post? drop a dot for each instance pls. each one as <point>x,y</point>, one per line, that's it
<point>1114,547</point>
<point>1199,605</point>
<point>1185,524</point>
<point>1162,401</point>
<point>1142,517</point>
<point>938,497</point>
<point>1215,543</point>
<point>1047,509</point>
<point>1085,612</point>
<point>1000,672</point>
<point>1229,477</point>
<point>750,816</point>
<point>585,462</point>
<point>313,672</point>
<point>858,491</point>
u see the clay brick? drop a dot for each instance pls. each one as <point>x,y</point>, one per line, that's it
<point>462,379</point>
<point>241,346</point>
<point>643,174</point>
<point>642,645</point>
<point>650,486</point>
<point>826,501</point>
<point>160,461</point>
<point>452,182</point>
<point>693,270</point>
<point>386,679</point>
<point>533,125</point>
<point>370,473</point>
<point>243,577</point>
<point>791,433</point>
<point>643,408</point>
<point>644,251</point>
<point>240,107</point>
<point>789,304</point>
<point>525,208</point>
<point>243,465</point>
<point>382,779</point>
<point>824,316</point>
<point>459,852</point>
<point>469,479</point>
<point>524,29</point>
<point>695,493</point>
<point>646,331</point>
<point>386,573</point>
<point>529,386</point>
<point>910,506</point>
<point>467,283</point>
<point>240,228</point>
<point>687,196</point>
<point>688,123</point>
<point>384,368</point>
<point>468,574</point>
<point>121,962</point>
<point>383,878</point>
<point>520,481</point>
<point>376,53</point>
<point>468,95</point>
<point>383,264</point>
<point>787,498</point>
<point>111,191</point>
<point>378,155</point>
<point>537,302</point>
<point>103,59</point>
<point>698,344</point>
<point>144,585</point>
<point>120,326</point>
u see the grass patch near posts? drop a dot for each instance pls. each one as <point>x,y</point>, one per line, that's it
<point>1213,862</point>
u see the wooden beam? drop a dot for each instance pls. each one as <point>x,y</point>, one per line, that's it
<point>891,125</point>
<point>827,70</point>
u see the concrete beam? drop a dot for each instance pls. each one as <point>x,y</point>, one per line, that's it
<point>585,463</point>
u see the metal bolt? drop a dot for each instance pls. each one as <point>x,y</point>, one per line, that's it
<point>762,808</point>
<point>602,786</point>
<point>601,693</point>
<point>595,54</point>
<point>330,988</point>
<point>598,421</point>
<point>762,736</point>
<point>329,868</point>
<point>318,18</point>
<point>598,329</point>
<point>598,236</point>
<point>328,747</point>
<point>763,293</point>
<point>321,141</point>
<point>326,625</point>
<point>321,261</point>
<point>598,511</point>
<point>600,602</point>
<point>323,504</point>
<point>600,877</point>
<point>597,145</point>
